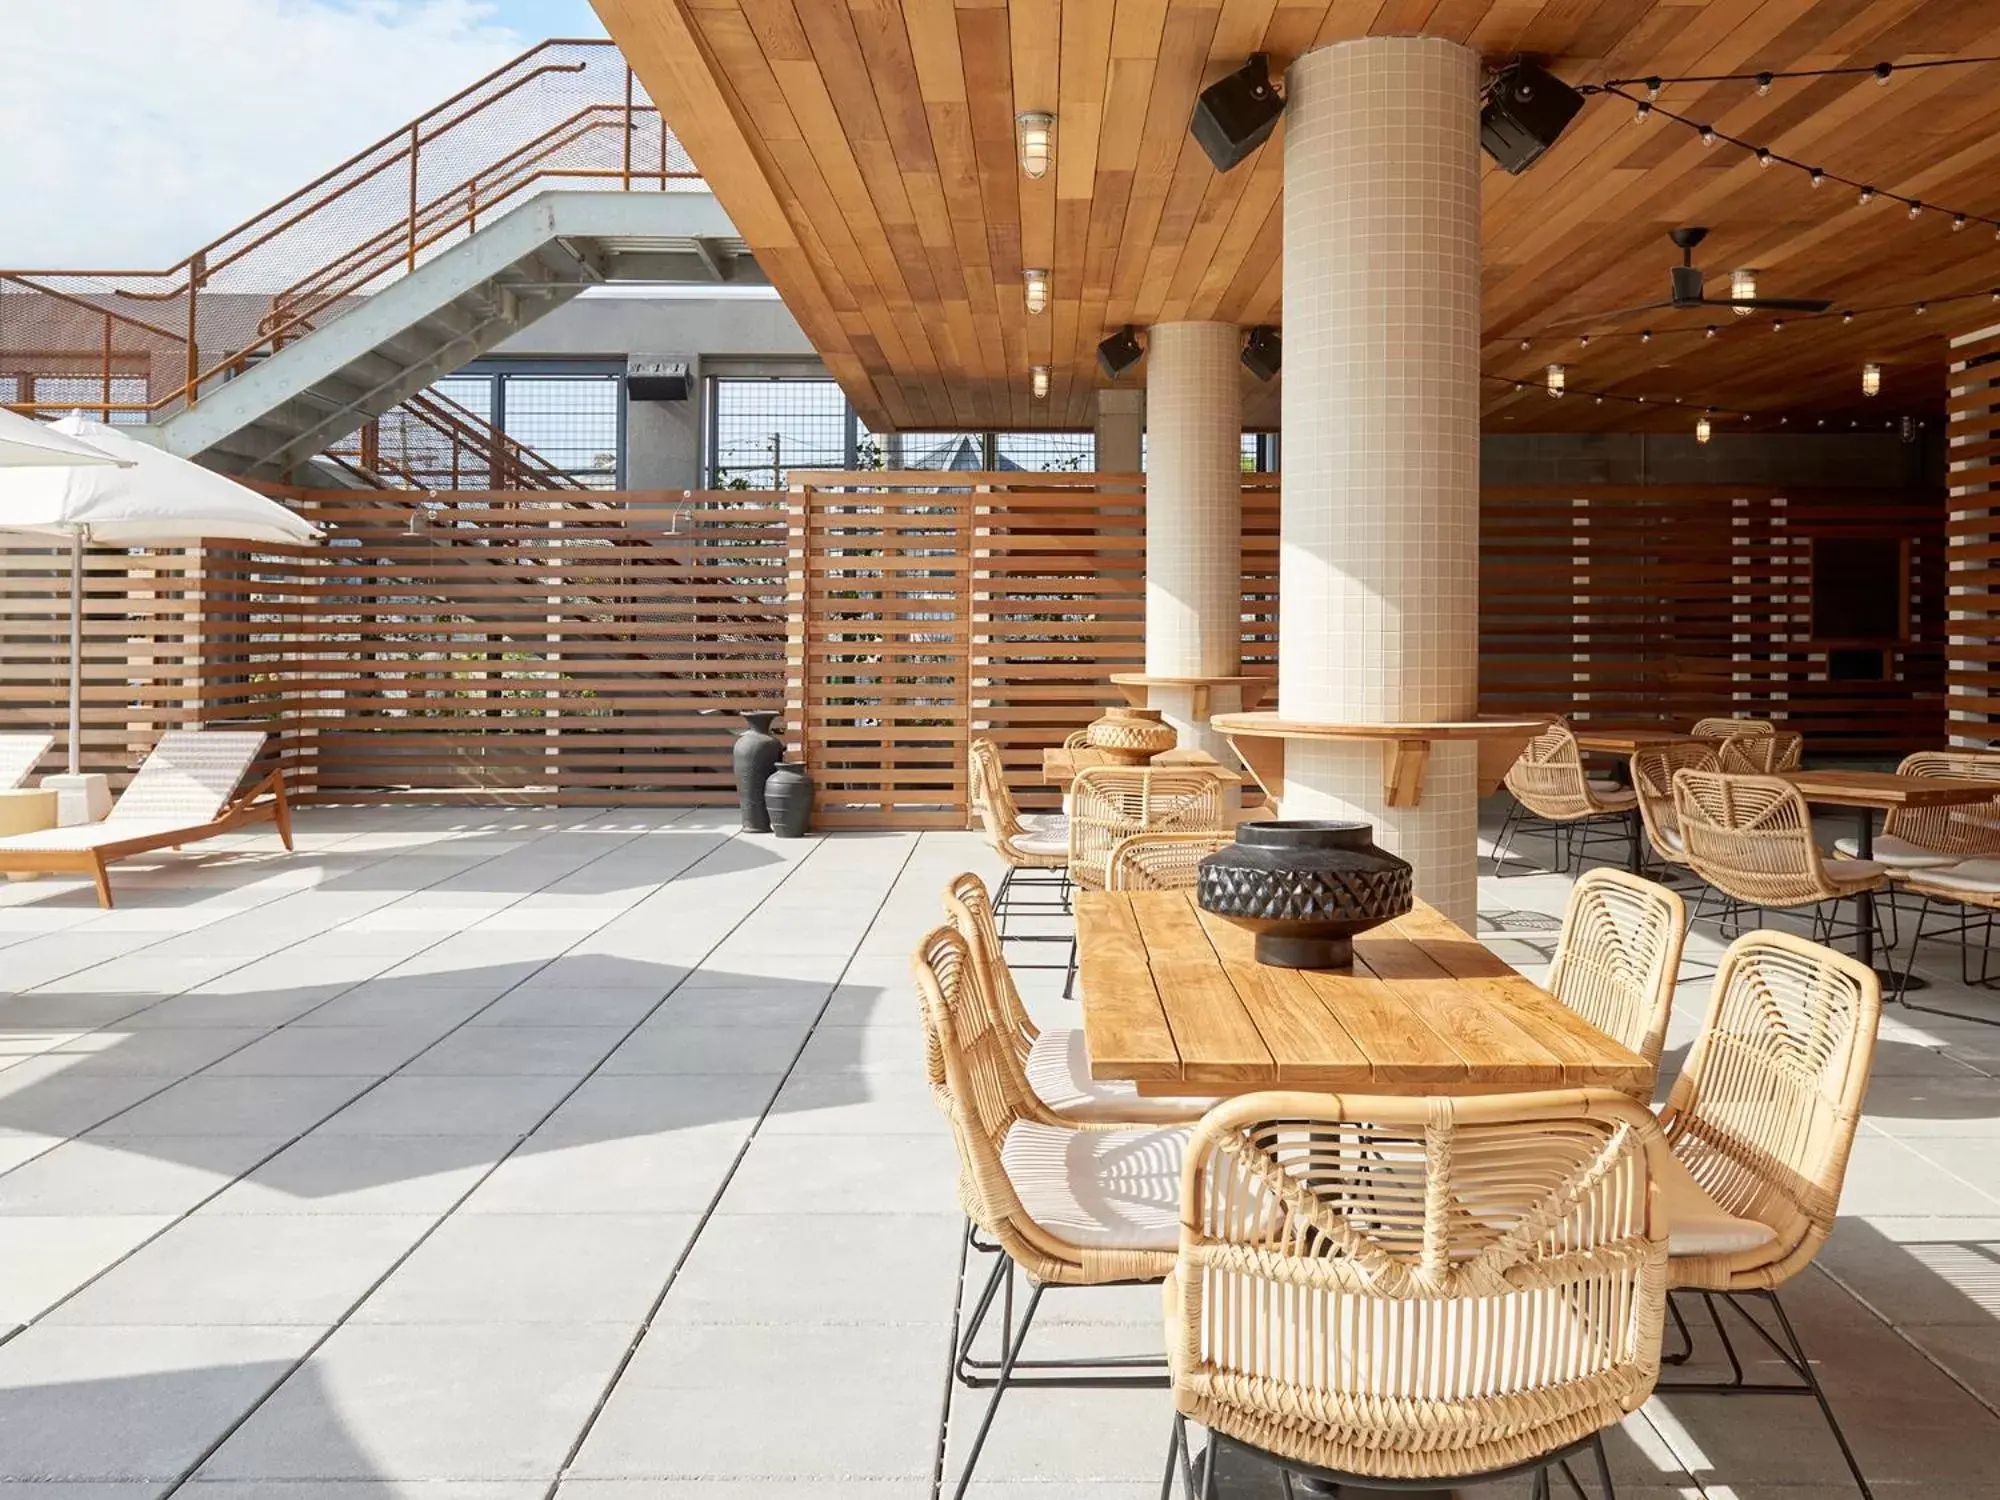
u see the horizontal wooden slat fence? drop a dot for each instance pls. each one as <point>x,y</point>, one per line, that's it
<point>1973,539</point>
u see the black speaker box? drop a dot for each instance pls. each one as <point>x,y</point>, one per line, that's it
<point>1234,116</point>
<point>1526,108</point>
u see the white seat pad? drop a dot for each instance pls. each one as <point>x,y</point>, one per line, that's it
<point>1896,852</point>
<point>1046,825</point>
<point>1105,1189</point>
<point>1604,786</point>
<point>1034,841</point>
<point>1845,870</point>
<point>1697,1224</point>
<point>91,835</point>
<point>1978,875</point>
<point>1059,1071</point>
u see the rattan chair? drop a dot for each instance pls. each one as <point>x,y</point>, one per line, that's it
<point>1618,958</point>
<point>1162,861</point>
<point>1054,1060</point>
<point>1929,838</point>
<point>1552,792</point>
<point>1036,849</point>
<point>1751,838</point>
<point>1653,783</point>
<point>1722,729</point>
<point>1763,1117</point>
<point>1388,1291</point>
<point>1077,739</point>
<point>1070,1204</point>
<point>1762,753</point>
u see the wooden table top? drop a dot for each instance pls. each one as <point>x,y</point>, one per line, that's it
<point>1627,741</point>
<point>1886,789</point>
<point>1176,1003</point>
<point>1059,766</point>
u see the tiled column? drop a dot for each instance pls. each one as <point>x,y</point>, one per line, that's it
<point>1378,580</point>
<point>1194,518</point>
<point>1121,423</point>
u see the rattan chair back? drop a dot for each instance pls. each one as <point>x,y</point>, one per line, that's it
<point>968,906</point>
<point>1653,781</point>
<point>1547,778</point>
<point>1764,753</point>
<point>1411,1289</point>
<point>1110,803</point>
<point>992,802</point>
<point>1722,729</point>
<point>1765,1109</point>
<point>1077,739</point>
<point>1162,861</point>
<point>1970,830</point>
<point>1618,958</point>
<point>1751,838</point>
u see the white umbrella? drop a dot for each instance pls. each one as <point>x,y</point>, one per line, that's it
<point>25,443</point>
<point>150,498</point>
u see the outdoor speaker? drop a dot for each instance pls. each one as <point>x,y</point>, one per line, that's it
<point>1120,352</point>
<point>652,377</point>
<point>1526,108</point>
<point>1263,351</point>
<point>1234,116</point>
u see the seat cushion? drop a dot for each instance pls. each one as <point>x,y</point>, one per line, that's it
<point>1604,786</point>
<point>1059,1070</point>
<point>1034,841</point>
<point>1697,1224</point>
<point>1853,871</point>
<point>1897,853</point>
<point>1101,1189</point>
<point>1046,825</point>
<point>1671,839</point>
<point>1974,876</point>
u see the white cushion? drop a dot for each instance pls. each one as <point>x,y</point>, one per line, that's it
<point>1102,1189</point>
<point>1059,1071</point>
<point>1605,787</point>
<point>1845,870</point>
<point>79,836</point>
<point>1032,841</point>
<point>1697,1224</point>
<point>1046,825</point>
<point>1978,875</point>
<point>1897,853</point>
<point>1671,838</point>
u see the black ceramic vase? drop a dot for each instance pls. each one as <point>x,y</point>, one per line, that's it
<point>757,751</point>
<point>1305,888</point>
<point>789,793</point>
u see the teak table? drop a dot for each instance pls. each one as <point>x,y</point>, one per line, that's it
<point>1176,1003</point>
<point>1866,792</point>
<point>1628,741</point>
<point>1059,766</point>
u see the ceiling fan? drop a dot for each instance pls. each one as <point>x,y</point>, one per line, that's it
<point>1687,289</point>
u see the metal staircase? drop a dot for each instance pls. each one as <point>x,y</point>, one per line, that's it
<point>276,342</point>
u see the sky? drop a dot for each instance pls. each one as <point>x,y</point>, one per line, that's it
<point>135,130</point>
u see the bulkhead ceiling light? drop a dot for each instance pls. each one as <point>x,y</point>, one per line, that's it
<point>1871,380</point>
<point>1743,288</point>
<point>1035,135</point>
<point>1555,380</point>
<point>1702,430</point>
<point>1038,376</point>
<point>1036,283</point>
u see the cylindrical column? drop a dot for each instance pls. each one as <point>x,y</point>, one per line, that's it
<point>1121,424</point>
<point>1378,577</point>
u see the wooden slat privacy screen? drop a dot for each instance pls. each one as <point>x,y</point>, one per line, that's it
<point>1973,537</point>
<point>506,647</point>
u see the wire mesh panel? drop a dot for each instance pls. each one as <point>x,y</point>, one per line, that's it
<point>763,429</point>
<point>570,420</point>
<point>1049,452</point>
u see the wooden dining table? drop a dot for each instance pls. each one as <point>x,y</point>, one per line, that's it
<point>1175,1002</point>
<point>1060,765</point>
<point>1627,741</point>
<point>1869,792</point>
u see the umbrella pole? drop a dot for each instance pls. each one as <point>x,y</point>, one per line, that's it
<point>75,651</point>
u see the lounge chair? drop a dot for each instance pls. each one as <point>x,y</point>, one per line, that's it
<point>19,754</point>
<point>182,794</point>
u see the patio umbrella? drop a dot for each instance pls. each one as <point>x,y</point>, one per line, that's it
<point>25,443</point>
<point>145,497</point>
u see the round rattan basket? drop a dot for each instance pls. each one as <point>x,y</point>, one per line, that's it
<point>1131,736</point>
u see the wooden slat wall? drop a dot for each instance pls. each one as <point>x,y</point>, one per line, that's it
<point>1972,531</point>
<point>1662,604</point>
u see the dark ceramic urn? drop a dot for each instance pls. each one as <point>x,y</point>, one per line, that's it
<point>1305,888</point>
<point>789,794</point>
<point>757,751</point>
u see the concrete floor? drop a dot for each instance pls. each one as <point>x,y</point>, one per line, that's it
<point>477,1155</point>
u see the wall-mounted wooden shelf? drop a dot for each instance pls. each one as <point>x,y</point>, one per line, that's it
<point>1136,686</point>
<point>1259,739</point>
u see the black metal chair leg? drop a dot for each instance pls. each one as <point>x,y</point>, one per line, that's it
<point>1503,843</point>
<point>1819,1394</point>
<point>1681,1327</point>
<point>1015,1341</point>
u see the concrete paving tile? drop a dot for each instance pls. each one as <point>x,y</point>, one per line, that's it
<point>1952,1278</point>
<point>872,1267</point>
<point>778,1006</point>
<point>1910,1107</point>
<point>528,1006</point>
<point>258,1008</point>
<point>842,1104</point>
<point>449,1106</point>
<point>662,1046</point>
<point>1061,1437</point>
<point>365,1174</point>
<point>48,1258</point>
<point>130,1403</point>
<point>515,1051</point>
<point>534,1268</point>
<point>382,1005</point>
<point>131,1174</point>
<point>677,1174</point>
<point>607,1106</point>
<point>443,1403</point>
<point>209,1105</point>
<point>892,1174</point>
<point>41,1096</point>
<point>894,1048</point>
<point>1890,1177</point>
<point>815,1488</point>
<point>172,1051</point>
<point>352,1051</point>
<point>357,1489</point>
<point>749,1402</point>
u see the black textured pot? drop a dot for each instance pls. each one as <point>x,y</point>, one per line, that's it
<point>757,751</point>
<point>1305,888</point>
<point>789,794</point>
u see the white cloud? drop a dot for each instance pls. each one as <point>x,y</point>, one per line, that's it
<point>135,130</point>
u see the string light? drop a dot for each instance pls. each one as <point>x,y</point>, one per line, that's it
<point>1867,194</point>
<point>1957,222</point>
<point>1777,325</point>
<point>1646,337</point>
<point>1763,84</point>
<point>1711,327</point>
<point>1915,208</point>
<point>1882,72</point>
<point>1922,308</point>
<point>1639,115</point>
<point>1815,175</point>
<point>1708,135</point>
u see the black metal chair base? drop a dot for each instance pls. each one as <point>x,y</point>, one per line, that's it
<point>1791,1353</point>
<point>1197,1472</point>
<point>1067,1374</point>
<point>1973,917</point>
<point>1010,902</point>
<point>1573,839</point>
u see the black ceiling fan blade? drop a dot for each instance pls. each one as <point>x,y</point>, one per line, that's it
<point>1613,317</point>
<point>1771,304</point>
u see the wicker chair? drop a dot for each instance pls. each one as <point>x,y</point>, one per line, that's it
<point>1653,782</point>
<point>1070,1204</point>
<point>1077,739</point>
<point>1761,753</point>
<point>1383,1291</point>
<point>1551,790</point>
<point>1751,838</point>
<point>1929,838</point>
<point>1055,1061</point>
<point>1618,958</point>
<point>1162,861</point>
<point>1763,1117</point>
<point>1032,845</point>
<point>1722,729</point>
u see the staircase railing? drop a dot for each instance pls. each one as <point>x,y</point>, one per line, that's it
<point>568,113</point>
<point>431,442</point>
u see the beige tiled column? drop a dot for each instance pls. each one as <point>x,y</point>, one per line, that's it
<point>1194,518</point>
<point>1121,425</point>
<point>1378,580</point>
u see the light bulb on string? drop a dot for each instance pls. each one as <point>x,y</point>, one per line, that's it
<point>1867,195</point>
<point>1847,317</point>
<point>1882,72</point>
<point>1640,112</point>
<point>1652,88</point>
<point>1764,157</point>
<point>1777,325</point>
<point>1763,85</point>
<point>1708,136</point>
<point>1816,175</point>
<point>1922,308</point>
<point>1711,327</point>
<point>1916,208</point>
<point>1957,223</point>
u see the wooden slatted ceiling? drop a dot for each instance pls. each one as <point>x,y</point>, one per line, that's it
<point>866,151</point>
